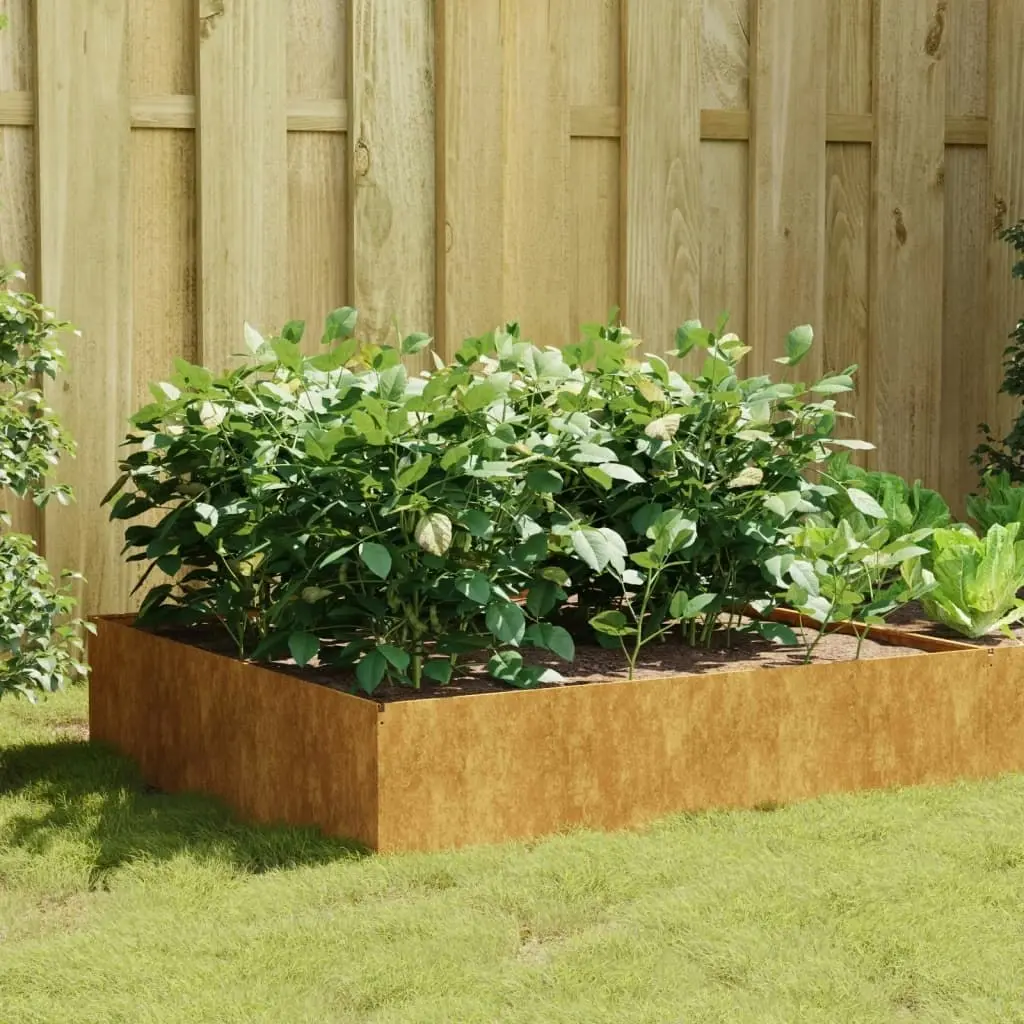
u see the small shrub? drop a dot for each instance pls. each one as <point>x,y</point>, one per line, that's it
<point>40,643</point>
<point>1006,454</point>
<point>333,507</point>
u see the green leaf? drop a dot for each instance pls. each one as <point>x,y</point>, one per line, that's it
<point>617,471</point>
<point>544,481</point>
<point>798,344</point>
<point>542,597</point>
<point>599,548</point>
<point>294,330</point>
<point>505,666</point>
<point>288,354</point>
<point>340,323</point>
<point>476,587</point>
<point>391,383</point>
<point>376,558</point>
<point>864,503</point>
<point>612,623</point>
<point>303,647</point>
<point>395,656</point>
<point>370,671</point>
<point>552,638</point>
<point>438,669</point>
<point>476,522</point>
<point>506,622</point>
<point>599,477</point>
<point>481,395</point>
<point>413,343</point>
<point>803,575</point>
<point>414,473</point>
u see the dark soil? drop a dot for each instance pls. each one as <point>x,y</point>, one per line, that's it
<point>912,618</point>
<point>593,664</point>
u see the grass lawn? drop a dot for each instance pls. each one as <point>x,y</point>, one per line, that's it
<point>121,906</point>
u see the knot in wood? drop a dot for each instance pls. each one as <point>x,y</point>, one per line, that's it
<point>361,159</point>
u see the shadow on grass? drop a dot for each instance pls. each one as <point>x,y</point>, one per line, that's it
<point>86,792</point>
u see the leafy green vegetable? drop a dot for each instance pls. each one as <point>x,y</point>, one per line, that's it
<point>977,579</point>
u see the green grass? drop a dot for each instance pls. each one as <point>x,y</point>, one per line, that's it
<point>118,905</point>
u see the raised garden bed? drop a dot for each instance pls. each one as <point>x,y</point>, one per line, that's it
<point>488,765</point>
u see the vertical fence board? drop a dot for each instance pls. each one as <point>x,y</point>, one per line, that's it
<point>535,130</point>
<point>391,258</point>
<point>1006,185</point>
<point>594,191</point>
<point>242,167</point>
<point>85,258</point>
<point>318,220</point>
<point>504,135</point>
<point>725,171</point>
<point>470,289</point>
<point>968,368</point>
<point>18,192</point>
<point>662,165</point>
<point>908,214</point>
<point>787,183</point>
<point>847,211</point>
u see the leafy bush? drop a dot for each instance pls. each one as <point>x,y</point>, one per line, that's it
<point>1007,454</point>
<point>976,579</point>
<point>40,644</point>
<point>999,501</point>
<point>333,507</point>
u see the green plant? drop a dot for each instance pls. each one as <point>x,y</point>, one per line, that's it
<point>640,619</point>
<point>836,573</point>
<point>32,440</point>
<point>999,501</point>
<point>976,579</point>
<point>1007,454</point>
<point>864,497</point>
<point>333,507</point>
<point>40,642</point>
<point>732,454</point>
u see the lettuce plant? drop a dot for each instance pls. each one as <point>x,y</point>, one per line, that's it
<point>977,579</point>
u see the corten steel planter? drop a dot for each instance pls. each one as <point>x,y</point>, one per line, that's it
<point>434,773</point>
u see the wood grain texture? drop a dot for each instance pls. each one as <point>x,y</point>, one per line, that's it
<point>970,371</point>
<point>1005,186</point>
<point>906,253</point>
<point>243,172</point>
<point>787,176</point>
<point>274,748</point>
<point>848,213</point>
<point>317,229</point>
<point>505,151</point>
<point>437,773</point>
<point>725,54</point>
<point>391,240</point>
<point>725,235</point>
<point>661,164</point>
<point>85,257</point>
<point>18,225</point>
<point>317,50</point>
<point>535,133</point>
<point>594,189</point>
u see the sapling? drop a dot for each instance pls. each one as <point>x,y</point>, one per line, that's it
<point>671,533</point>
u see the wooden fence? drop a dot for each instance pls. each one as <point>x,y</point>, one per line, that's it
<point>169,168</point>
